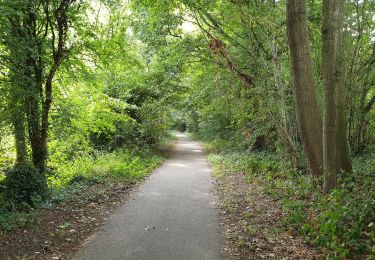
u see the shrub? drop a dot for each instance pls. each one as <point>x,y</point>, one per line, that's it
<point>24,185</point>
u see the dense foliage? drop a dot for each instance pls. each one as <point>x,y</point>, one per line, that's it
<point>102,124</point>
<point>341,222</point>
<point>241,99</point>
<point>89,89</point>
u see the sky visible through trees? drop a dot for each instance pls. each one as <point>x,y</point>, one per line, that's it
<point>282,88</point>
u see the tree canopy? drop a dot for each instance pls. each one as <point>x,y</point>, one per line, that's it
<point>294,79</point>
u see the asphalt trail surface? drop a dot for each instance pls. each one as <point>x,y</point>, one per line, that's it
<point>172,215</point>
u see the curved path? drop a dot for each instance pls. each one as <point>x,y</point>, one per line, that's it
<point>172,216</point>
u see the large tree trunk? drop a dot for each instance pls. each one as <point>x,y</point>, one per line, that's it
<point>35,92</point>
<point>17,92</point>
<point>335,151</point>
<point>308,114</point>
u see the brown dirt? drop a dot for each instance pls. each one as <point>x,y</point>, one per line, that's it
<point>61,230</point>
<point>253,221</point>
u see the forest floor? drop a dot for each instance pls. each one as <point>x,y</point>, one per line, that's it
<point>253,221</point>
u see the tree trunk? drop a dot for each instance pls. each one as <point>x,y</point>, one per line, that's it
<point>278,82</point>
<point>335,151</point>
<point>343,158</point>
<point>19,135</point>
<point>17,109</point>
<point>308,114</point>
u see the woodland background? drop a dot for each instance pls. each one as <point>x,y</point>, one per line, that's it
<point>90,89</point>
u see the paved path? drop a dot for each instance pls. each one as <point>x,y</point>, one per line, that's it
<point>172,215</point>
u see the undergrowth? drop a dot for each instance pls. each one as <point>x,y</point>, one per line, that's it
<point>342,222</point>
<point>72,177</point>
<point>121,165</point>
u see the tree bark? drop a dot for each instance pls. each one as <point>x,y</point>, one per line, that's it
<point>19,135</point>
<point>39,108</point>
<point>343,157</point>
<point>335,147</point>
<point>309,120</point>
<point>18,85</point>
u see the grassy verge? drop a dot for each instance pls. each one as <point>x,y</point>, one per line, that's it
<point>72,178</point>
<point>342,222</point>
<point>121,165</point>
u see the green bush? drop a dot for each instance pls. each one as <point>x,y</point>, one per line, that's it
<point>24,184</point>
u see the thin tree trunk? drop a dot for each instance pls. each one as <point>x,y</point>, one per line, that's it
<point>344,161</point>
<point>309,120</point>
<point>278,82</point>
<point>360,130</point>
<point>343,157</point>
<point>350,81</point>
